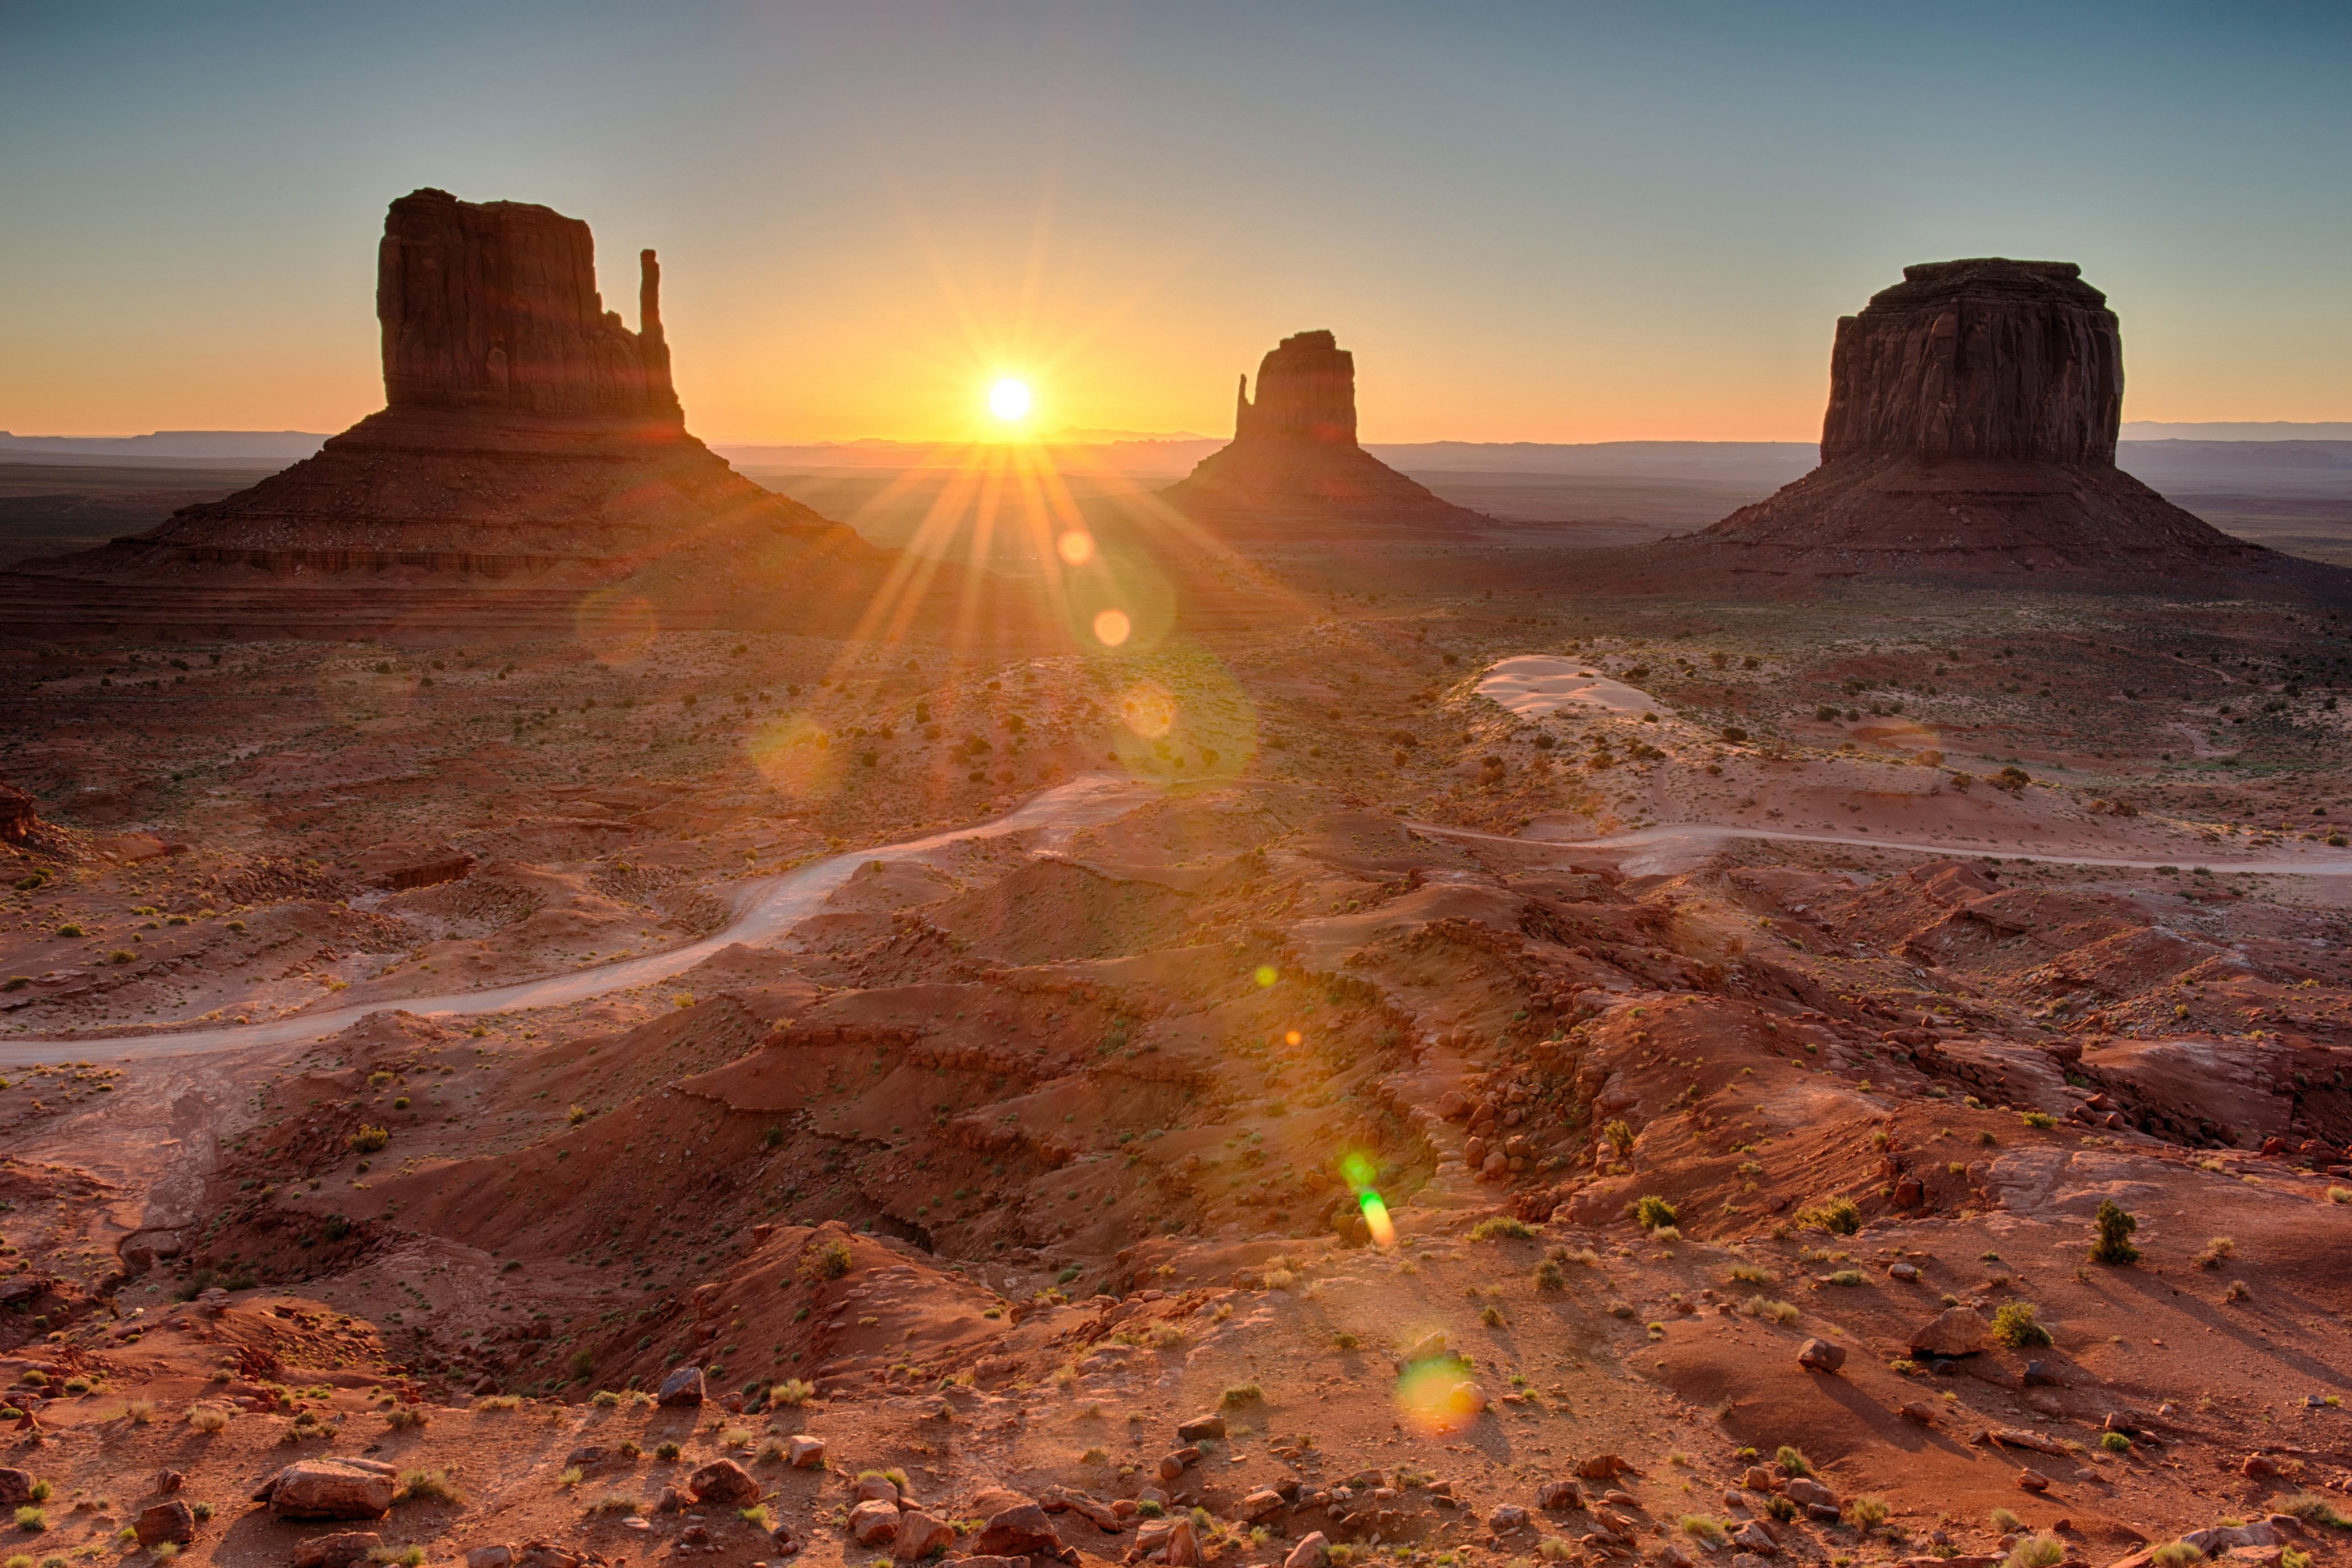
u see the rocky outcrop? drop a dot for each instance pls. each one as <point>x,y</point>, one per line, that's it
<point>1294,464</point>
<point>493,305</point>
<point>532,449</point>
<point>1970,434</point>
<point>18,816</point>
<point>2010,360</point>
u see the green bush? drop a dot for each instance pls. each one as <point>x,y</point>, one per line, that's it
<point>1501,1225</point>
<point>2013,1325</point>
<point>1652,1211</point>
<point>2115,1228</point>
<point>1838,1215</point>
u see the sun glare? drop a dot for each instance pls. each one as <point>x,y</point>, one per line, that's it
<point>1009,400</point>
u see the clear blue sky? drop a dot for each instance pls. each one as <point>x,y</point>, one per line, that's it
<point>1531,221</point>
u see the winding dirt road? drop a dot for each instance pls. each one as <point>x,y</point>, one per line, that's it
<point>767,907</point>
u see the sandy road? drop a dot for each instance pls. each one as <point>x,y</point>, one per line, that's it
<point>766,907</point>
<point>1700,836</point>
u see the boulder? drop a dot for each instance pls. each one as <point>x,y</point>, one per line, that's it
<point>874,1487</point>
<point>1560,1496</point>
<point>1200,1426</point>
<point>1820,1355</point>
<point>2223,1537</point>
<point>1605,1467</point>
<point>2032,1480</point>
<point>921,1535</point>
<point>1803,1490</point>
<point>683,1387</point>
<point>1172,1465</point>
<point>330,1489</point>
<point>2259,1467</point>
<point>804,1452</point>
<point>547,1555</point>
<point>173,1521</point>
<point>873,1521</point>
<point>1756,1538</point>
<point>169,1481</point>
<point>1023,1530</point>
<point>476,1557</point>
<point>16,1488</point>
<point>1259,1505</point>
<point>345,1548</point>
<point>724,1482</point>
<point>2042,1374</point>
<point>1956,1332</point>
<point>1506,1518</point>
<point>1314,1551</point>
<point>1184,1545</point>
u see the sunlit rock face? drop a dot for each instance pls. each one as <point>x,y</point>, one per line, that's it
<point>2013,360</point>
<point>1294,462</point>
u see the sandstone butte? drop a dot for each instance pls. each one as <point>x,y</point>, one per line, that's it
<point>531,450</point>
<point>1970,434</point>
<point>1294,464</point>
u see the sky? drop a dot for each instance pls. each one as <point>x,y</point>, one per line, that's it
<point>1548,222</point>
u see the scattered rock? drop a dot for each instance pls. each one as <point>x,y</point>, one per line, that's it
<point>1506,1517</point>
<point>169,1481</point>
<point>16,1488</point>
<point>1907,1272</point>
<point>476,1557</point>
<point>725,1482</point>
<point>1200,1426</point>
<point>1820,1355</point>
<point>1919,1410</point>
<point>345,1548</point>
<point>2042,1374</point>
<point>1560,1497</point>
<point>873,1521</point>
<point>1313,1551</point>
<point>1756,1538</point>
<point>2032,1480</point>
<point>1260,1505</point>
<point>876,1487</point>
<point>330,1489</point>
<point>1957,1330</point>
<point>1807,1492</point>
<point>2260,1466</point>
<point>804,1452</point>
<point>1019,1532</point>
<point>1605,1467</point>
<point>683,1386</point>
<point>1184,1545</point>
<point>921,1534</point>
<point>1173,1464</point>
<point>173,1521</point>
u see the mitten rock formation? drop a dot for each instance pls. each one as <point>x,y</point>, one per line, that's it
<point>1294,462</point>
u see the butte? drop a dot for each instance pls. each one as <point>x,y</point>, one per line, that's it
<point>1293,467</point>
<point>1970,436</point>
<point>530,466</point>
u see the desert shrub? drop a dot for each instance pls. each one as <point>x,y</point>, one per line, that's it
<point>498,1402</point>
<point>2314,1509</point>
<point>1345,1341</point>
<point>2041,1120</point>
<point>410,1557</point>
<point>1771,1311</point>
<point>2115,1442</point>
<point>791,1391</point>
<point>1869,1512</point>
<point>429,1486</point>
<point>1550,1277</point>
<point>617,1502</point>
<point>406,1415</point>
<point>830,1261</point>
<point>1838,1215</point>
<point>2176,1554</point>
<point>1700,1527</point>
<point>1501,1225</point>
<point>604,1399</point>
<point>757,1516</point>
<point>666,1450</point>
<point>2004,1522</point>
<point>2239,1291</point>
<point>570,1478</point>
<point>1750,1274</point>
<point>2013,1325</point>
<point>1792,1461</point>
<point>1242,1393</point>
<point>206,1418</point>
<point>2217,1252</point>
<point>1846,1277</point>
<point>368,1140</point>
<point>2036,1551</point>
<point>2115,1228</point>
<point>32,1519</point>
<point>1619,1136</point>
<point>1780,1508</point>
<point>1652,1211</point>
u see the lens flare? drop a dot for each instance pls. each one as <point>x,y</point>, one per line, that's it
<point>1111,627</point>
<point>1438,1399</point>
<point>1149,709</point>
<point>1076,546</point>
<point>1377,1220</point>
<point>1266,975</point>
<point>1294,1038</point>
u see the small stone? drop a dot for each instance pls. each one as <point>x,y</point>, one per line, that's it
<point>1757,1478</point>
<point>1200,1426</point>
<point>725,1482</point>
<point>1957,1330</point>
<point>919,1535</point>
<point>1314,1552</point>
<point>173,1521</point>
<point>876,1487</point>
<point>873,1521</point>
<point>1605,1467</point>
<point>1184,1545</point>
<point>1907,1272</point>
<point>169,1480</point>
<point>1804,1491</point>
<point>2032,1480</point>
<point>683,1386</point>
<point>1560,1497</point>
<point>1506,1517</point>
<point>16,1488</point>
<point>1260,1505</point>
<point>1919,1411</point>
<point>804,1452</point>
<point>1757,1539</point>
<point>476,1557</point>
<point>1175,1464</point>
<point>1822,1512</point>
<point>1820,1355</point>
<point>345,1548</point>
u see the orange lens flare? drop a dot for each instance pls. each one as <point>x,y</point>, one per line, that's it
<point>1112,627</point>
<point>1294,1038</point>
<point>1438,1399</point>
<point>1075,547</point>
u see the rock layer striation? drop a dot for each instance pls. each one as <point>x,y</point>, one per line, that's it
<point>1294,462</point>
<point>1970,433</point>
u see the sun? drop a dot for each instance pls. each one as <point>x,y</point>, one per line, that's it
<point>1009,400</point>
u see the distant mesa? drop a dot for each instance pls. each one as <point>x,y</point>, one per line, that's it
<point>1294,462</point>
<point>1971,429</point>
<point>529,443</point>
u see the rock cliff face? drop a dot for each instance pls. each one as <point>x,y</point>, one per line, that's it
<point>2015,361</point>
<point>530,447</point>
<point>1294,464</point>
<point>493,305</point>
<point>1970,434</point>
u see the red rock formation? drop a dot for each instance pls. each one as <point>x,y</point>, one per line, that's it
<point>494,306</point>
<point>19,815</point>
<point>529,443</point>
<point>1970,434</point>
<point>1294,462</point>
